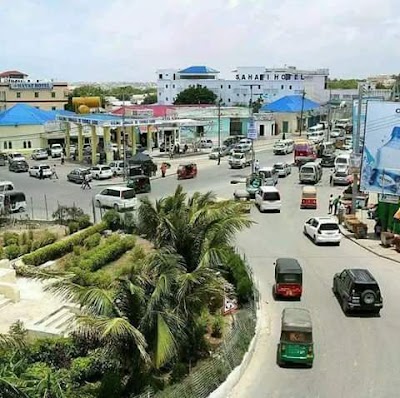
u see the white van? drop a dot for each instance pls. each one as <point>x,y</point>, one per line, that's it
<point>342,161</point>
<point>270,175</point>
<point>6,186</point>
<point>268,198</point>
<point>310,172</point>
<point>118,198</point>
<point>316,128</point>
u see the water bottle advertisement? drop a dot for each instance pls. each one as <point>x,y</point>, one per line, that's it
<point>380,171</point>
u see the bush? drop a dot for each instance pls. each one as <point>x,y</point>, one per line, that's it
<point>10,238</point>
<point>218,326</point>
<point>83,277</point>
<point>83,221</point>
<point>73,227</point>
<point>12,251</point>
<point>23,238</point>
<point>60,248</point>
<point>92,241</point>
<point>100,256</point>
<point>1,252</point>
<point>112,220</point>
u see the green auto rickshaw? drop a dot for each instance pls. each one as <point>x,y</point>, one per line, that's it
<point>140,183</point>
<point>296,342</point>
<point>253,183</point>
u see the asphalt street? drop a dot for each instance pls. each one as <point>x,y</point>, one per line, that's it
<point>356,357</point>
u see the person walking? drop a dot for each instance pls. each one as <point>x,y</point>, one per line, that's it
<point>256,166</point>
<point>62,159</point>
<point>330,207</point>
<point>54,173</point>
<point>40,173</point>
<point>86,181</point>
<point>163,169</point>
<point>336,202</point>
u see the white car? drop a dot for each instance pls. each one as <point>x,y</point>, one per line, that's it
<point>118,198</point>
<point>15,157</point>
<point>323,230</point>
<point>283,169</point>
<point>247,141</point>
<point>337,133</point>
<point>101,172</point>
<point>56,150</point>
<point>117,167</point>
<point>268,199</point>
<point>34,171</point>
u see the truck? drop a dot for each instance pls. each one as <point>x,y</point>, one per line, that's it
<point>56,150</point>
<point>239,160</point>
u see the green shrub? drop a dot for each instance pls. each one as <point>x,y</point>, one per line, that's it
<point>73,227</point>
<point>113,220</point>
<point>60,248</point>
<point>217,326</point>
<point>10,238</point>
<point>100,256</point>
<point>92,241</point>
<point>47,239</point>
<point>83,221</point>
<point>12,251</point>
<point>83,277</point>
<point>30,234</point>
<point>1,252</point>
<point>81,369</point>
<point>23,238</point>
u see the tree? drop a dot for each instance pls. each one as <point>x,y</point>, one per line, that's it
<point>343,83</point>
<point>150,99</point>
<point>195,95</point>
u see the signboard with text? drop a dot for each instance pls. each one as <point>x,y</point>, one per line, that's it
<point>31,86</point>
<point>251,129</point>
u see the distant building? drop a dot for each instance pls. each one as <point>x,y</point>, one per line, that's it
<point>17,88</point>
<point>255,82</point>
<point>385,80</point>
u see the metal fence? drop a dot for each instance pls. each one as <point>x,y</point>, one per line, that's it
<point>211,373</point>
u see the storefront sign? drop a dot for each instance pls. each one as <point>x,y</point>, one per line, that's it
<point>389,198</point>
<point>251,130</point>
<point>275,76</point>
<point>31,86</point>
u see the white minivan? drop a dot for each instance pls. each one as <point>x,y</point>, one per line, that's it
<point>342,161</point>
<point>268,199</point>
<point>118,198</point>
<point>270,175</point>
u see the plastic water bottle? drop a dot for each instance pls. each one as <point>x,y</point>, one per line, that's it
<point>386,170</point>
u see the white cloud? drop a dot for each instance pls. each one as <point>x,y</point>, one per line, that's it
<point>129,40</point>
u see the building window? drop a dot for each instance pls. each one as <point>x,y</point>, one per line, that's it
<point>173,86</point>
<point>229,100</point>
<point>29,144</point>
<point>166,98</point>
<point>9,145</point>
<point>53,94</point>
<point>53,108</point>
<point>237,94</point>
<point>18,94</point>
<point>160,76</point>
<point>282,87</point>
<point>166,86</point>
<point>5,145</point>
<point>36,94</point>
<point>222,86</point>
<point>290,87</point>
<point>24,144</point>
<point>229,86</point>
<point>259,87</point>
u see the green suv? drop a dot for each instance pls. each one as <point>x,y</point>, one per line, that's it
<point>357,289</point>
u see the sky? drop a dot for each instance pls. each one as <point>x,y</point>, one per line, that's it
<point>128,40</point>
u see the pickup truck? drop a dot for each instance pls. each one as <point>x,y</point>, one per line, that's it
<point>240,160</point>
<point>56,150</point>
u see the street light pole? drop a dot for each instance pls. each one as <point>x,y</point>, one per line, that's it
<point>302,110</point>
<point>251,85</point>
<point>124,136</point>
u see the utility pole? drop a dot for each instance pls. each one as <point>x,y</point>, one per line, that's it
<point>124,136</point>
<point>329,118</point>
<point>302,110</point>
<point>219,130</point>
<point>356,148</point>
<point>253,155</point>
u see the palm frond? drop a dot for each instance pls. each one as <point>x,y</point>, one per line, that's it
<point>166,345</point>
<point>9,390</point>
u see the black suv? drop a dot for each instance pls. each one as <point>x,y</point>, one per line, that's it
<point>357,289</point>
<point>19,166</point>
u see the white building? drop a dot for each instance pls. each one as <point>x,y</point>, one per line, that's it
<point>268,84</point>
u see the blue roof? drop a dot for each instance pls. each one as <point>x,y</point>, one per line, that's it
<point>198,70</point>
<point>23,114</point>
<point>290,103</point>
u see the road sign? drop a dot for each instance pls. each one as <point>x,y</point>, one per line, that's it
<point>251,130</point>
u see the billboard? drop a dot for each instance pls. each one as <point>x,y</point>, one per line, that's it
<point>364,102</point>
<point>380,169</point>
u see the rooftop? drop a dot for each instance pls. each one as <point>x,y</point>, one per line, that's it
<point>198,70</point>
<point>290,104</point>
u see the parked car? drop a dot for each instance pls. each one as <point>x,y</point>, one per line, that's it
<point>357,289</point>
<point>101,172</point>
<point>6,186</point>
<point>34,171</point>
<point>18,166</point>
<point>323,230</point>
<point>56,150</point>
<point>328,161</point>
<point>15,156</point>
<point>214,152</point>
<point>78,175</point>
<point>39,154</point>
<point>341,177</point>
<point>205,143</point>
<point>118,198</point>
<point>283,169</point>
<point>117,167</point>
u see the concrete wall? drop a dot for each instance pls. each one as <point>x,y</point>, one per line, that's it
<point>22,138</point>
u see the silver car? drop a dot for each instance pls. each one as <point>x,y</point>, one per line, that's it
<point>283,169</point>
<point>214,152</point>
<point>40,154</point>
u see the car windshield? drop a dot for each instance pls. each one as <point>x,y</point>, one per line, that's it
<point>296,337</point>
<point>289,278</point>
<point>307,170</point>
<point>329,227</point>
<point>45,167</point>
<point>341,175</point>
<point>271,196</point>
<point>341,160</point>
<point>106,168</point>
<point>278,166</point>
<point>130,194</point>
<point>237,155</point>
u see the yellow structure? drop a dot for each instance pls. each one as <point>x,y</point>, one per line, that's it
<point>17,88</point>
<point>81,104</point>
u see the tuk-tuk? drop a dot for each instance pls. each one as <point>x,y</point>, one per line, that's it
<point>12,201</point>
<point>296,342</point>
<point>253,183</point>
<point>186,171</point>
<point>308,198</point>
<point>288,278</point>
<point>3,158</point>
<point>141,184</point>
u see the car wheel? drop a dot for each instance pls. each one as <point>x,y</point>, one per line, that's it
<point>345,306</point>
<point>98,204</point>
<point>315,239</point>
<point>368,297</point>
<point>305,231</point>
<point>116,208</point>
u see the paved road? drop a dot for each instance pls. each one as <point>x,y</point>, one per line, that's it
<point>355,357</point>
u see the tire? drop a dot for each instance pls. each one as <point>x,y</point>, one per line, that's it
<point>368,297</point>
<point>98,204</point>
<point>304,231</point>
<point>116,208</point>
<point>345,307</point>
<point>315,240</point>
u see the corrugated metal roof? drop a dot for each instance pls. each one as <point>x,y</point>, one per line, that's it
<point>198,70</point>
<point>290,104</point>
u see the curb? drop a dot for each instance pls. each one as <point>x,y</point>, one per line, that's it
<point>369,249</point>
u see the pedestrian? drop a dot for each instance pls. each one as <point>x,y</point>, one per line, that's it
<point>54,173</point>
<point>163,169</point>
<point>256,166</point>
<point>85,182</point>
<point>40,173</point>
<point>62,159</point>
<point>330,207</point>
<point>336,205</point>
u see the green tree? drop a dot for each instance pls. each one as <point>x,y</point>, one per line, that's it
<point>150,99</point>
<point>343,83</point>
<point>195,95</point>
